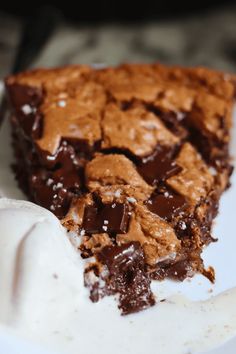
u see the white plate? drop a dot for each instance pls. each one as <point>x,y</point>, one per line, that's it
<point>221,255</point>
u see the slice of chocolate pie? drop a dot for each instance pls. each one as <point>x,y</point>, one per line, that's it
<point>133,160</point>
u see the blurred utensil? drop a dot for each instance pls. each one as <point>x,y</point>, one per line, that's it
<point>36,31</point>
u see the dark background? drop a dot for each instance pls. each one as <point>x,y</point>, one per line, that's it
<point>104,10</point>
<point>189,33</point>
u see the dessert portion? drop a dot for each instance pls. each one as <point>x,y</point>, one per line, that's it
<point>133,160</point>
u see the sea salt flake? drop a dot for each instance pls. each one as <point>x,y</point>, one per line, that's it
<point>180,116</point>
<point>213,171</point>
<point>49,182</point>
<point>108,193</point>
<point>61,103</point>
<point>182,225</point>
<point>82,232</point>
<point>105,222</point>
<point>104,228</point>
<point>131,200</point>
<point>27,109</point>
<point>117,193</point>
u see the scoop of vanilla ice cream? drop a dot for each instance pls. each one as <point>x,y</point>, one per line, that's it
<point>40,269</point>
<point>43,298</point>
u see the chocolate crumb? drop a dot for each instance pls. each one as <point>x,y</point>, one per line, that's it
<point>111,218</point>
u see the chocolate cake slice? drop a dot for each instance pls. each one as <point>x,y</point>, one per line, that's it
<point>133,160</point>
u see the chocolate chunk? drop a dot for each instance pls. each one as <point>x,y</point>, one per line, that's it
<point>127,277</point>
<point>54,188</point>
<point>159,166</point>
<point>64,157</point>
<point>167,204</point>
<point>119,257</point>
<point>50,195</point>
<point>109,218</point>
<point>83,148</point>
<point>179,270</point>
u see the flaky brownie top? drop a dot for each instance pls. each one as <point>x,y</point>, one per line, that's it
<point>103,105</point>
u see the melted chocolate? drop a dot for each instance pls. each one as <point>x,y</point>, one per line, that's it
<point>65,157</point>
<point>210,204</point>
<point>31,124</point>
<point>184,227</point>
<point>52,196</point>
<point>167,205</point>
<point>126,276</point>
<point>22,94</point>
<point>26,100</point>
<point>55,188</point>
<point>109,218</point>
<point>159,166</point>
<point>173,121</point>
<point>206,145</point>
